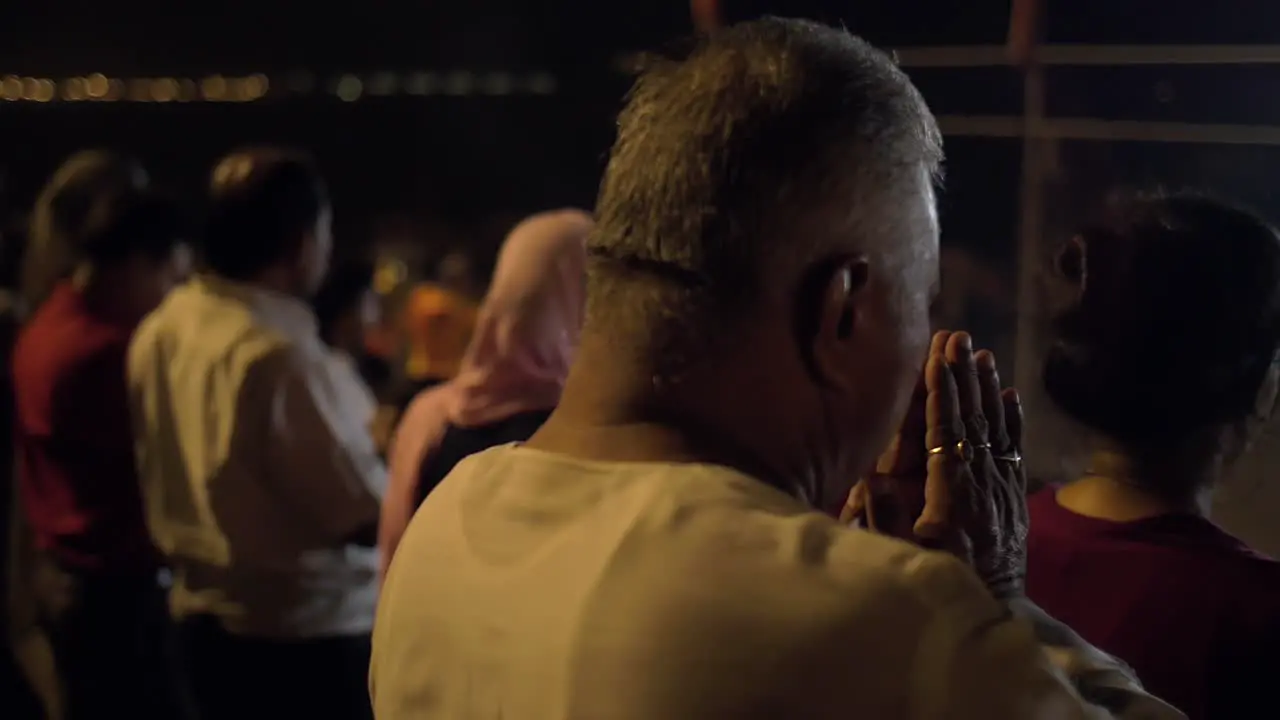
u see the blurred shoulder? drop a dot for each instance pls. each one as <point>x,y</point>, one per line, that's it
<point>426,406</point>
<point>864,614</point>
<point>753,541</point>
<point>933,583</point>
<point>567,217</point>
<point>554,227</point>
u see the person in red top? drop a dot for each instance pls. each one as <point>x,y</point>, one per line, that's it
<point>1165,348</point>
<point>99,579</point>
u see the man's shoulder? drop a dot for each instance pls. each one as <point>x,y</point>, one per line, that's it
<point>930,583</point>
<point>209,330</point>
<point>737,536</point>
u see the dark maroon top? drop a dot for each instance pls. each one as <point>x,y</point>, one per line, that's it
<point>73,438</point>
<point>1192,609</point>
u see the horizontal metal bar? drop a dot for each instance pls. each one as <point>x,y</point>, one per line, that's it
<point>997,55</point>
<point>1109,130</point>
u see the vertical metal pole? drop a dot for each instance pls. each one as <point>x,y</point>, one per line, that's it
<point>1031,227</point>
<point>1025,31</point>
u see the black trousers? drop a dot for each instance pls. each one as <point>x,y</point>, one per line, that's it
<point>243,678</point>
<point>113,644</point>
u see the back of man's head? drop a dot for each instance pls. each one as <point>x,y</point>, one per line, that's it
<point>263,204</point>
<point>766,148</point>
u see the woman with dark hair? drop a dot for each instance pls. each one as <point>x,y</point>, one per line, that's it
<point>98,581</point>
<point>62,214</point>
<point>1166,333</point>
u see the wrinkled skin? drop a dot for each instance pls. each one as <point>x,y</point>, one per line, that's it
<point>975,508</point>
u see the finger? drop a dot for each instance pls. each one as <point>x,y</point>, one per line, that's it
<point>938,346</point>
<point>992,401</point>
<point>1013,422</point>
<point>1012,404</point>
<point>855,504</point>
<point>965,370</point>
<point>944,429</point>
<point>906,453</point>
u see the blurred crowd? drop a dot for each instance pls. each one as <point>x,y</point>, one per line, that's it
<point>165,365</point>
<point>702,452</point>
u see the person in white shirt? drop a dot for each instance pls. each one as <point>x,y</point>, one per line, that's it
<point>346,309</point>
<point>758,288</point>
<point>261,486</point>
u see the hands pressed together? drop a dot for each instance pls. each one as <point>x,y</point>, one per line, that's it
<point>953,477</point>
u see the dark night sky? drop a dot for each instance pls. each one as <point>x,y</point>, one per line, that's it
<point>466,159</point>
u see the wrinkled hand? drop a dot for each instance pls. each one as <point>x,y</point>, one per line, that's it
<point>953,478</point>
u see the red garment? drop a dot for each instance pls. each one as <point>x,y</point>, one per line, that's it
<point>1192,609</point>
<point>73,438</point>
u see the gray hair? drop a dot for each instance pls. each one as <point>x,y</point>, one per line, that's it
<point>725,155</point>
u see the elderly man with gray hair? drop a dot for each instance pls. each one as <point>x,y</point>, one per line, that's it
<point>758,289</point>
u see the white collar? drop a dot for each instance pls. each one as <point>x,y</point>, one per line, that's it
<point>283,313</point>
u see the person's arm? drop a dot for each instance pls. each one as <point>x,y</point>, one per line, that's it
<point>983,659</point>
<point>318,455</point>
<point>420,430</point>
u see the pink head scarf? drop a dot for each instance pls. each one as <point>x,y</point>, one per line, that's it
<point>518,358</point>
<point>528,327</point>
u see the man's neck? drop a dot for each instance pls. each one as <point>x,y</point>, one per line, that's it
<point>625,416</point>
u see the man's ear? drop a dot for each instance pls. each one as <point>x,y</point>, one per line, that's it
<point>839,320</point>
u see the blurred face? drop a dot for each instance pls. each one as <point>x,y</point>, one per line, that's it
<point>313,261</point>
<point>874,335</point>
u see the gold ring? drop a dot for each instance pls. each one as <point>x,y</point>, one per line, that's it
<point>962,449</point>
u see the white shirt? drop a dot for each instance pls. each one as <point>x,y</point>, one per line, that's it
<point>541,587</point>
<point>253,469</point>
<point>355,398</point>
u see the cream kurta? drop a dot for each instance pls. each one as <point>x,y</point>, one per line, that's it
<point>533,586</point>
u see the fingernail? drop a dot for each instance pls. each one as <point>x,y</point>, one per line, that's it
<point>987,360</point>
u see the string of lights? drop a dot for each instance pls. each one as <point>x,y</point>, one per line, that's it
<point>259,87</point>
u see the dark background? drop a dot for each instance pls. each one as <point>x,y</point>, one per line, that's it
<point>456,171</point>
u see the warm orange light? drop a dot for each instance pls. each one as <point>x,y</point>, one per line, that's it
<point>140,90</point>
<point>389,276</point>
<point>11,88</point>
<point>97,85</point>
<point>254,87</point>
<point>115,90</point>
<point>73,89</point>
<point>46,90</point>
<point>164,90</point>
<point>214,87</point>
